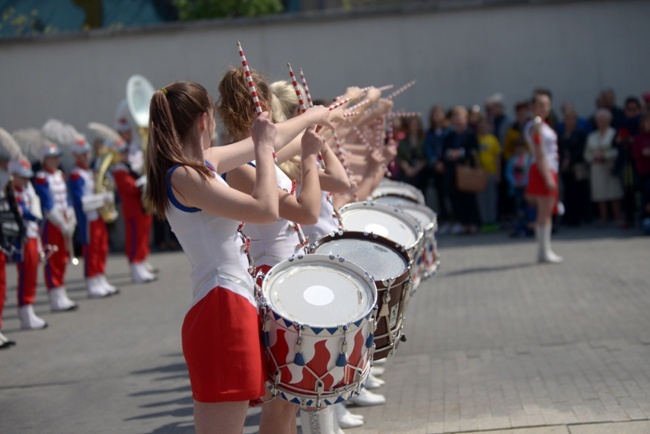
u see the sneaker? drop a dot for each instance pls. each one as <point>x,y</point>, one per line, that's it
<point>95,288</point>
<point>457,229</point>
<point>377,371</point>
<point>444,229</point>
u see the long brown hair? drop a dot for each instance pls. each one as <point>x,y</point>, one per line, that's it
<point>173,113</point>
<point>235,106</point>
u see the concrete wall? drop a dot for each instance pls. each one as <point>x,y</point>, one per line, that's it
<point>458,57</point>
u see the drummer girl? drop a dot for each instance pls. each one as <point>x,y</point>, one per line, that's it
<point>220,332</point>
<point>542,187</point>
<point>272,243</point>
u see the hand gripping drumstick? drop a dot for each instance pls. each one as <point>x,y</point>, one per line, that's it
<point>251,85</point>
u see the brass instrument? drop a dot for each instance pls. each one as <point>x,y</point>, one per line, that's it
<point>139,92</point>
<point>104,184</point>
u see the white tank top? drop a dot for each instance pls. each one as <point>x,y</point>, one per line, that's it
<point>327,220</point>
<point>277,241</point>
<point>548,143</point>
<point>213,246</point>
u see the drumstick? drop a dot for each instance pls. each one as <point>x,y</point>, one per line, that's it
<point>338,104</point>
<point>294,82</point>
<point>251,86</point>
<point>400,90</point>
<point>310,103</point>
<point>249,79</point>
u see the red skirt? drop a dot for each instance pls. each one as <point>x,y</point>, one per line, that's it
<point>223,350</point>
<point>536,185</point>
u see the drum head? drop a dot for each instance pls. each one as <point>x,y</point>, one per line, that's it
<point>377,259</point>
<point>422,213</point>
<point>388,187</point>
<point>319,291</point>
<point>389,222</point>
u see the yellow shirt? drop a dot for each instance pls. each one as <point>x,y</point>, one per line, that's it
<point>489,152</point>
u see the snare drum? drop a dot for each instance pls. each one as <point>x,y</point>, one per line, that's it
<point>428,260</point>
<point>317,323</point>
<point>383,220</point>
<point>388,264</point>
<point>388,187</point>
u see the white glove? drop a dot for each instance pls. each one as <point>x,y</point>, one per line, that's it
<point>71,217</point>
<point>141,181</point>
<point>92,202</point>
<point>57,218</point>
<point>109,197</point>
<point>69,229</point>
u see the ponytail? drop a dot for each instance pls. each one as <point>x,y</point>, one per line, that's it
<point>173,113</point>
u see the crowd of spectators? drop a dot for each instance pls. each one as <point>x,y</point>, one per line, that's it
<point>604,164</point>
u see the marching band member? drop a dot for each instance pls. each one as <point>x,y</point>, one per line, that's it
<point>221,341</point>
<point>93,232</point>
<point>60,222</point>
<point>542,186</point>
<point>27,263</point>
<point>124,128</point>
<point>333,178</point>
<point>137,220</point>
<point>8,147</point>
<point>271,243</point>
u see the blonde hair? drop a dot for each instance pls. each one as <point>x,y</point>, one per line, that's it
<point>284,103</point>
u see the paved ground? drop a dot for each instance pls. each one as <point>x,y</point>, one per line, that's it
<point>495,344</point>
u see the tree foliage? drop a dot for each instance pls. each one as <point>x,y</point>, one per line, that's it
<point>201,9</point>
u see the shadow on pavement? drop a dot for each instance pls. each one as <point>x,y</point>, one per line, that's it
<point>488,269</point>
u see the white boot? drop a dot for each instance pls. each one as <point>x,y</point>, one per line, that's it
<point>139,273</point>
<point>150,268</point>
<point>110,289</point>
<point>345,418</point>
<point>5,342</point>
<point>377,371</point>
<point>545,253</point>
<point>28,319</point>
<point>366,398</point>
<point>95,288</point>
<point>318,422</point>
<point>373,382</point>
<point>59,301</point>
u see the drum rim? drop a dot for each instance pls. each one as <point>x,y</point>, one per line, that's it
<point>433,224</point>
<point>394,245</point>
<point>287,263</point>
<point>388,209</point>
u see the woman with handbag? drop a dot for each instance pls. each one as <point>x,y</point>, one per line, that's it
<point>459,151</point>
<point>542,189</point>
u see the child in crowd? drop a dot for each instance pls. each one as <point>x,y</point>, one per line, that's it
<point>516,174</point>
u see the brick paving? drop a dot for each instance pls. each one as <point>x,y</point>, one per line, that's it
<point>496,343</point>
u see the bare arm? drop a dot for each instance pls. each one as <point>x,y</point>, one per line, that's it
<point>334,179</point>
<point>304,208</point>
<point>226,158</point>
<point>261,206</point>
